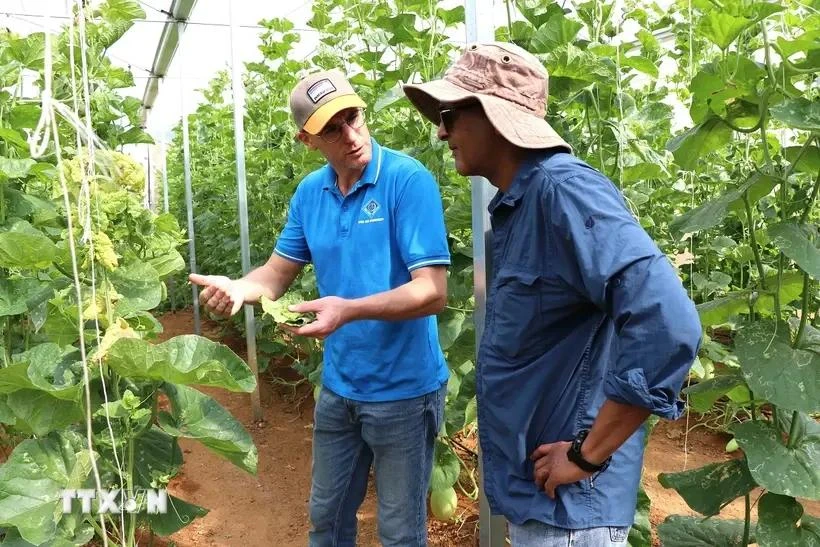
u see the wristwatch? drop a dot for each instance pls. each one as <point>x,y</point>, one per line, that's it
<point>574,455</point>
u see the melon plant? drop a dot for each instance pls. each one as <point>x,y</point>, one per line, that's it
<point>65,317</point>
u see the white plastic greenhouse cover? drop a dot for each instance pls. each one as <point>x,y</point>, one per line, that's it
<point>204,49</point>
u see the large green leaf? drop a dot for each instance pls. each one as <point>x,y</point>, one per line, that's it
<point>782,523</point>
<point>40,413</point>
<point>708,489</point>
<point>18,296</point>
<point>691,145</point>
<point>557,31</point>
<point>446,467</point>
<point>180,514</point>
<point>23,246</point>
<point>157,458</point>
<point>569,61</point>
<point>774,466</point>
<point>809,161</point>
<point>13,138</point>
<point>140,286</point>
<point>185,359</point>
<point>449,329</point>
<point>702,396</point>
<point>14,168</point>
<point>168,263</point>
<point>721,310</point>
<point>679,531</point>
<point>640,534</point>
<point>72,531</point>
<point>711,213</point>
<point>194,415</point>
<point>799,113</point>
<point>794,242</point>
<point>538,12</point>
<point>32,482</point>
<point>134,135</point>
<point>723,26</point>
<point>61,325</point>
<point>45,367</point>
<point>785,376</point>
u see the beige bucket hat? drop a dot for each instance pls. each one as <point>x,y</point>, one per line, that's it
<point>510,83</point>
<point>319,96</point>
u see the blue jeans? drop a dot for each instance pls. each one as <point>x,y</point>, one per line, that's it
<point>397,438</point>
<point>537,534</point>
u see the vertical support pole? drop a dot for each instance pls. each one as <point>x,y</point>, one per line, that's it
<point>186,161</point>
<point>241,182</point>
<point>164,150</point>
<point>149,180</point>
<point>479,27</point>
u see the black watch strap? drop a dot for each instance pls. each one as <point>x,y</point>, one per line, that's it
<point>574,454</point>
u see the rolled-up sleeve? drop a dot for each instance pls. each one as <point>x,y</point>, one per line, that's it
<point>603,253</point>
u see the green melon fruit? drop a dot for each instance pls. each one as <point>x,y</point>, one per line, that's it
<point>443,503</point>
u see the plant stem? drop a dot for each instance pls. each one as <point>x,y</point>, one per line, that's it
<point>7,344</point>
<point>2,203</point>
<point>803,150</point>
<point>747,524</point>
<point>812,197</point>
<point>753,239</point>
<point>132,517</point>
<point>509,19</point>
<point>793,429</point>
<point>804,309</point>
<point>778,284</point>
<point>753,406</point>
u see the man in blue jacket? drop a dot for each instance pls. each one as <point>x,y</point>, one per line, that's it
<point>588,328</point>
<point>372,224</point>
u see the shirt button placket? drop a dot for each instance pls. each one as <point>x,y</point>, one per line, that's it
<point>344,220</point>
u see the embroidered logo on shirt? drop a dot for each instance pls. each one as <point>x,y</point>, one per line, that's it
<point>370,209</point>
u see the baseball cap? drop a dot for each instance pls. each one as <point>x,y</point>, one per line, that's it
<point>319,96</point>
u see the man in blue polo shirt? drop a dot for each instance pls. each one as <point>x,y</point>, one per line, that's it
<point>372,224</point>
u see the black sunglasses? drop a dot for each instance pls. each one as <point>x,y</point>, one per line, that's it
<point>448,115</point>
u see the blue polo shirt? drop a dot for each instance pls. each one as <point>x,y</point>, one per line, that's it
<point>390,223</point>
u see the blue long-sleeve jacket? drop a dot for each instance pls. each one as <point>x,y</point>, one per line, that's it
<point>583,307</point>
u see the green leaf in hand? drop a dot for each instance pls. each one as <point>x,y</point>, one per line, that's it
<point>278,309</point>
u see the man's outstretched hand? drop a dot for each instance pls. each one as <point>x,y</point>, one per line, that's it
<point>220,295</point>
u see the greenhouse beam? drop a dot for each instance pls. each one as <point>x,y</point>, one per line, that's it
<point>242,192</point>
<point>479,26</point>
<point>169,40</point>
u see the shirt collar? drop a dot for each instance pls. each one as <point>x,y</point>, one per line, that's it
<point>371,172</point>
<point>521,180</point>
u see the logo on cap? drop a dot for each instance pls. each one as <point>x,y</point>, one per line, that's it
<point>320,89</point>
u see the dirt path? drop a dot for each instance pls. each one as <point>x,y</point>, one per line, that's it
<point>271,508</point>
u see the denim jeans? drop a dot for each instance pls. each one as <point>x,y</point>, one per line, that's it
<point>397,438</point>
<point>537,534</point>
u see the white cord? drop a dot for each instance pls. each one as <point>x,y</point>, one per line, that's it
<point>38,142</point>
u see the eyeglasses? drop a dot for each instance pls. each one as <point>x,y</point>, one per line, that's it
<point>333,131</point>
<point>449,114</point>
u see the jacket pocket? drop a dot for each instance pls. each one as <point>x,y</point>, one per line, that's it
<point>517,315</point>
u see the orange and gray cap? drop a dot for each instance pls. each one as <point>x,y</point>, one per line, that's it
<point>318,97</point>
